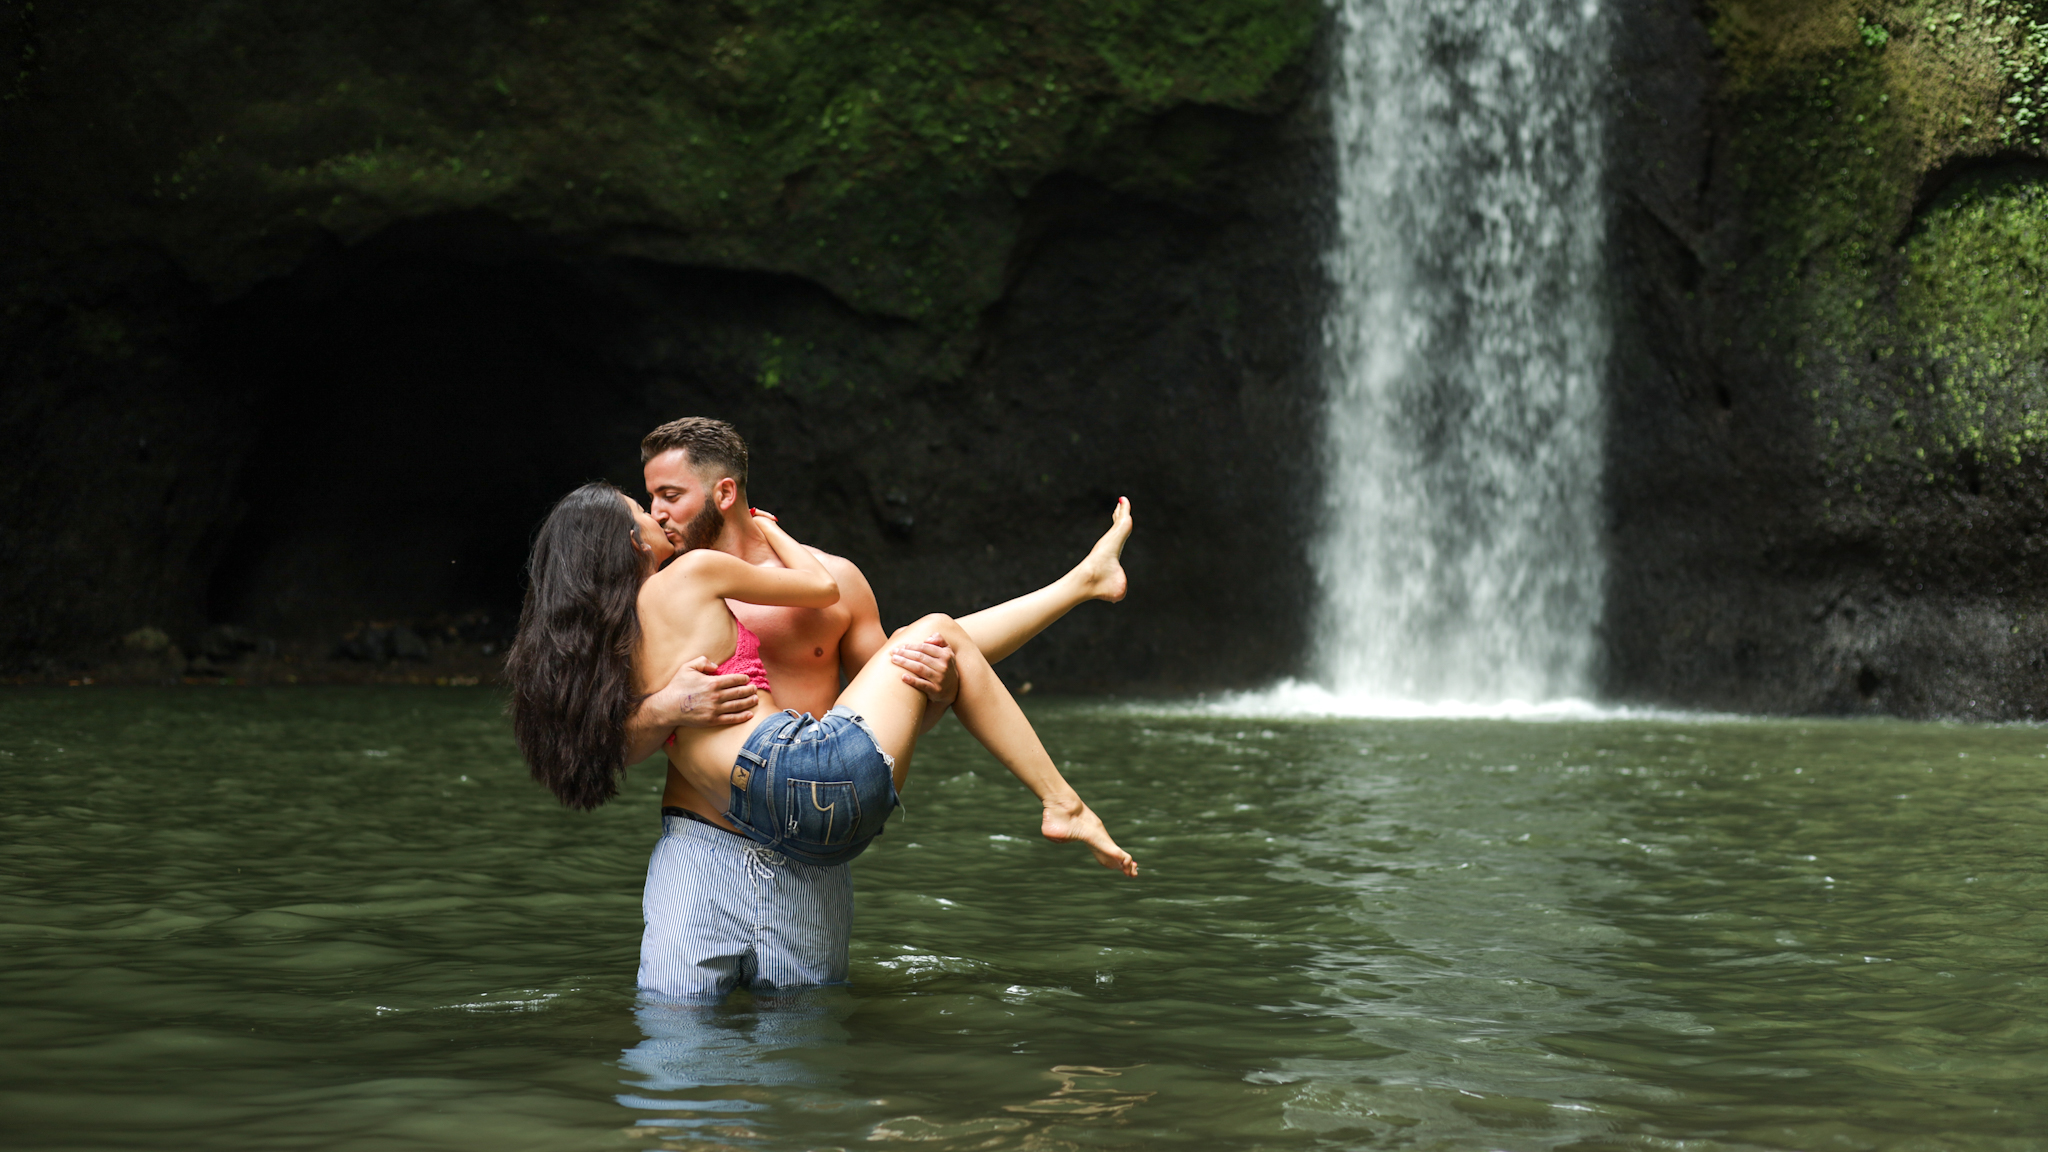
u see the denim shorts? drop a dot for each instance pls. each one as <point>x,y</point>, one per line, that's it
<point>816,791</point>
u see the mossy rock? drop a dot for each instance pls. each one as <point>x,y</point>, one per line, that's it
<point>871,146</point>
<point>965,272</point>
<point>1886,156</point>
<point>1974,306</point>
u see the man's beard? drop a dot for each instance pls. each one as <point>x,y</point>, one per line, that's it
<point>702,529</point>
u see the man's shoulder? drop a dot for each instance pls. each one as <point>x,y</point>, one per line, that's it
<point>856,595</point>
<point>839,566</point>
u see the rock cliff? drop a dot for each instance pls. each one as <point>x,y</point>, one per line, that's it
<point>312,310</point>
<point>1825,462</point>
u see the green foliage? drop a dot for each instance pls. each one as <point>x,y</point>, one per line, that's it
<point>2022,45</point>
<point>2009,39</point>
<point>101,333</point>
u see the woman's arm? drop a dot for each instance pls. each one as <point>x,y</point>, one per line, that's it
<point>803,584</point>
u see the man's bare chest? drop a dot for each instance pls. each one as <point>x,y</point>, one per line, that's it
<point>799,641</point>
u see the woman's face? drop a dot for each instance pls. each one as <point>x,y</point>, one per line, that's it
<point>653,541</point>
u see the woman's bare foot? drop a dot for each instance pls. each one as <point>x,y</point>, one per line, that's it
<point>1074,822</point>
<point>1102,572</point>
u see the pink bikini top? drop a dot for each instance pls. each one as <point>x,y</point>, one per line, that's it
<point>745,660</point>
<point>746,657</point>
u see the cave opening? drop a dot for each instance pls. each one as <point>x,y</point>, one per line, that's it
<point>411,407</point>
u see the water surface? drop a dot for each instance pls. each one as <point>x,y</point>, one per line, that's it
<point>343,918</point>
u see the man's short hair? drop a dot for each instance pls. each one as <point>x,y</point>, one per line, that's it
<point>711,445</point>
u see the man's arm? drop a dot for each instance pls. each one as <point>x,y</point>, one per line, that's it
<point>696,698</point>
<point>930,670</point>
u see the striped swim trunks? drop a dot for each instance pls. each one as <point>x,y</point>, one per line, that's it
<point>722,911</point>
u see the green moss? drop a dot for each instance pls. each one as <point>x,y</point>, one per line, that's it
<point>770,371</point>
<point>872,145</point>
<point>1826,159</point>
<point>1975,308</point>
<point>1916,341</point>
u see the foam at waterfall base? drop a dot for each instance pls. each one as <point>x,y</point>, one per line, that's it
<point>1304,700</point>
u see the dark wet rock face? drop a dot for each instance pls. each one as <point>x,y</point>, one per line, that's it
<point>310,315</point>
<point>1826,478</point>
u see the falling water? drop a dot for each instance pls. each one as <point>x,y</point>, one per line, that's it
<point>1460,556</point>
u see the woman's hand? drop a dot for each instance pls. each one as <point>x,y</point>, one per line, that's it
<point>768,516</point>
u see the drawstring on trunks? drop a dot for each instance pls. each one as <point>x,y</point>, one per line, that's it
<point>759,859</point>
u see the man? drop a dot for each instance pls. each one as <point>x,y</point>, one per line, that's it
<point>696,474</point>
<point>719,911</point>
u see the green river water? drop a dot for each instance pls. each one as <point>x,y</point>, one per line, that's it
<point>344,919</point>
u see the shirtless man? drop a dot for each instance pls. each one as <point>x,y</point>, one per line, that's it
<point>775,923</point>
<point>700,502</point>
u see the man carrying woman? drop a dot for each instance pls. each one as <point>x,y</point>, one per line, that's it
<point>749,883</point>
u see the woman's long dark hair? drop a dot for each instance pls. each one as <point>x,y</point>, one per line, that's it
<point>571,665</point>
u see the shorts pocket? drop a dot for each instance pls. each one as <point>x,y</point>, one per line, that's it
<point>822,812</point>
<point>741,808</point>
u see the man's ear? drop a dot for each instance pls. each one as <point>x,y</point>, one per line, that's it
<point>725,494</point>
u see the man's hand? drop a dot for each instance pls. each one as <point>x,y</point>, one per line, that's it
<point>696,698</point>
<point>928,667</point>
<point>699,697</point>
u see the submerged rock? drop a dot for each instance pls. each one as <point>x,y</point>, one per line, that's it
<point>146,640</point>
<point>406,644</point>
<point>381,644</point>
<point>227,643</point>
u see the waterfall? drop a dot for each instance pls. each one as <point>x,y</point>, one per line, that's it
<point>1459,559</point>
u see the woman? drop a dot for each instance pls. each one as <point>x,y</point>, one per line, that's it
<point>605,623</point>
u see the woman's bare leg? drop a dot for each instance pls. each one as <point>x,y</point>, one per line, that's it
<point>1003,628</point>
<point>895,711</point>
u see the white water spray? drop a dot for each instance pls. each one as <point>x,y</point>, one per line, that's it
<point>1460,556</point>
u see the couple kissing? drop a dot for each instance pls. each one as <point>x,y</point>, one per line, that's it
<point>699,628</point>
